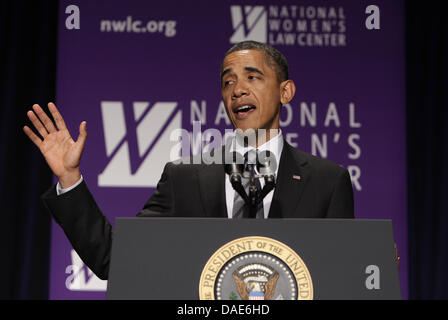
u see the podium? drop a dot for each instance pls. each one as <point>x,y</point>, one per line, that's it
<point>252,259</point>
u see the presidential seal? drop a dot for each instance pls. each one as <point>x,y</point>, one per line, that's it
<point>255,268</point>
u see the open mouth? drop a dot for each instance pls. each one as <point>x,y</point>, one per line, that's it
<point>243,111</point>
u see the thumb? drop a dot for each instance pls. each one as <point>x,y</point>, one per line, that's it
<point>82,134</point>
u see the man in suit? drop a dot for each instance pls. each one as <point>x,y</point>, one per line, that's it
<point>255,84</point>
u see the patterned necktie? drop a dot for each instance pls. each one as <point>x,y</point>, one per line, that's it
<point>240,208</point>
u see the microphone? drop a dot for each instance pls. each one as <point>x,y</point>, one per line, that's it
<point>266,163</point>
<point>266,166</point>
<point>235,171</point>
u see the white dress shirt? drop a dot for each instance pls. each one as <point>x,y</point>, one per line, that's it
<point>274,145</point>
<point>60,191</point>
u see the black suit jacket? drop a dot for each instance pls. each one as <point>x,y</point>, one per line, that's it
<point>324,190</point>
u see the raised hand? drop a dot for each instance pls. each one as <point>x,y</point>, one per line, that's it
<point>61,152</point>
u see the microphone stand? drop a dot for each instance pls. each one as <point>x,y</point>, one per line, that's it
<point>255,196</point>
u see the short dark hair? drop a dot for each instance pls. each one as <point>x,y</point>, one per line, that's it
<point>274,57</point>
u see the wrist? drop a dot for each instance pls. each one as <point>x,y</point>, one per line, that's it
<point>69,179</point>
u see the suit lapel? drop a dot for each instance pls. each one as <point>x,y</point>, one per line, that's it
<point>291,180</point>
<point>212,189</point>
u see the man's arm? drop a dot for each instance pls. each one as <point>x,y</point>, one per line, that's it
<point>87,229</point>
<point>75,210</point>
<point>341,202</point>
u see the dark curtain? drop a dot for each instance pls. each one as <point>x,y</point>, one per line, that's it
<point>28,34</point>
<point>427,134</point>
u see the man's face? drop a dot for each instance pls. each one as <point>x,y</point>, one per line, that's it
<point>250,90</point>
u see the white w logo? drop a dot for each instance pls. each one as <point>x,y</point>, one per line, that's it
<point>144,134</point>
<point>81,278</point>
<point>250,24</point>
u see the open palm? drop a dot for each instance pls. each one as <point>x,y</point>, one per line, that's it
<point>61,152</point>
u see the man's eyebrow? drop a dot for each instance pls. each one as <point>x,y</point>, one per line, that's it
<point>225,72</point>
<point>253,69</point>
<point>250,69</point>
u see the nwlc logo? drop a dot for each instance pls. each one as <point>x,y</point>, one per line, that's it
<point>249,23</point>
<point>137,143</point>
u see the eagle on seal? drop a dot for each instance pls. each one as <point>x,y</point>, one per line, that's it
<point>245,289</point>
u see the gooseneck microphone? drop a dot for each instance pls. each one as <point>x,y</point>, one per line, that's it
<point>266,165</point>
<point>235,171</point>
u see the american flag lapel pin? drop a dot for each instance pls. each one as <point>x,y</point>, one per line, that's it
<point>296,177</point>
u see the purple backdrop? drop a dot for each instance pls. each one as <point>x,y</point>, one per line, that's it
<point>136,70</point>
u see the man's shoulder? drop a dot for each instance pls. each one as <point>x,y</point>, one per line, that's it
<point>199,161</point>
<point>316,163</point>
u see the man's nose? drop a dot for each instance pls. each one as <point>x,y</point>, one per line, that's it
<point>239,90</point>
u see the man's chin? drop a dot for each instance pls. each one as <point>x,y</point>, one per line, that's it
<point>246,128</point>
<point>256,132</point>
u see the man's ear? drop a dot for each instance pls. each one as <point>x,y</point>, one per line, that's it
<point>287,91</point>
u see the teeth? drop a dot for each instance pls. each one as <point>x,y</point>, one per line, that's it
<point>243,108</point>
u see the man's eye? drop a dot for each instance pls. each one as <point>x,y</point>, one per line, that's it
<point>253,77</point>
<point>228,82</point>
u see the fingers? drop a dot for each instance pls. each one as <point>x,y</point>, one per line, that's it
<point>49,126</point>
<point>37,124</point>
<point>33,137</point>
<point>60,123</point>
